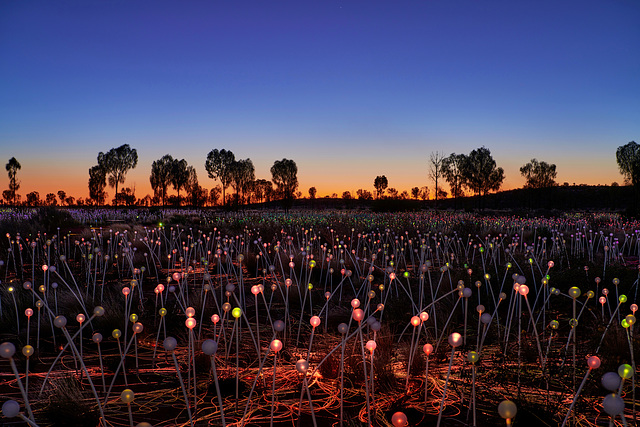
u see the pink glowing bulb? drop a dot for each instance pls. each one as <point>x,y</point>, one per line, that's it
<point>126,291</point>
<point>190,312</point>
<point>160,287</point>
<point>315,321</point>
<point>602,300</point>
<point>424,316</point>
<point>399,419</point>
<point>215,318</point>
<point>355,303</point>
<point>275,346</point>
<point>593,362</point>
<point>428,349</point>
<point>190,323</point>
<point>371,345</point>
<point>392,276</point>
<point>523,290</point>
<point>358,315</point>
<point>28,312</point>
<point>634,308</point>
<point>137,327</point>
<point>80,318</point>
<point>415,321</point>
<point>255,289</point>
<point>455,339</point>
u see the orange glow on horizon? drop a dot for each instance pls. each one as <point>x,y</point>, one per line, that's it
<point>73,179</point>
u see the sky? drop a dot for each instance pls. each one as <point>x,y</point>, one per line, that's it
<point>347,89</point>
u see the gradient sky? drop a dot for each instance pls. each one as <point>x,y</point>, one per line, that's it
<point>347,89</point>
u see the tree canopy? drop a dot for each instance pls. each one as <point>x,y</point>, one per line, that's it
<point>97,183</point>
<point>539,174</point>
<point>380,184</point>
<point>480,173</point>
<point>284,175</point>
<point>628,159</point>
<point>218,166</point>
<point>160,178</point>
<point>12,167</point>
<point>116,163</point>
<point>242,177</point>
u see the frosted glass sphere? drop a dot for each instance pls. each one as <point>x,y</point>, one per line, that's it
<point>455,340</point>
<point>399,419</point>
<point>209,347</point>
<point>7,350</point>
<point>611,381</point>
<point>127,395</point>
<point>613,404</point>
<point>10,409</point>
<point>60,321</point>
<point>302,366</point>
<point>593,362</point>
<point>275,346</point>
<point>507,409</point>
<point>170,343</point>
<point>278,325</point>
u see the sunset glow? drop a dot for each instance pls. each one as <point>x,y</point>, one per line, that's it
<point>349,90</point>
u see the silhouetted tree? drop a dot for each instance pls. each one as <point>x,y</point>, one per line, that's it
<point>50,199</point>
<point>12,167</point>
<point>312,193</point>
<point>218,166</point>
<point>97,183</point>
<point>628,159</point>
<point>284,174</point>
<point>262,189</point>
<point>393,193</point>
<point>346,195</point>
<point>364,194</point>
<point>116,163</point>
<point>62,195</point>
<point>127,196</point>
<point>415,192</point>
<point>452,172</point>
<point>179,175</point>
<point>242,176</point>
<point>33,199</point>
<point>380,184</point>
<point>214,195</point>
<point>7,196</point>
<point>424,193</point>
<point>160,178</point>
<point>480,173</point>
<point>539,174</point>
<point>436,160</point>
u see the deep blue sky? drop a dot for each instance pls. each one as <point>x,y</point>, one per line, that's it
<point>348,89</point>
